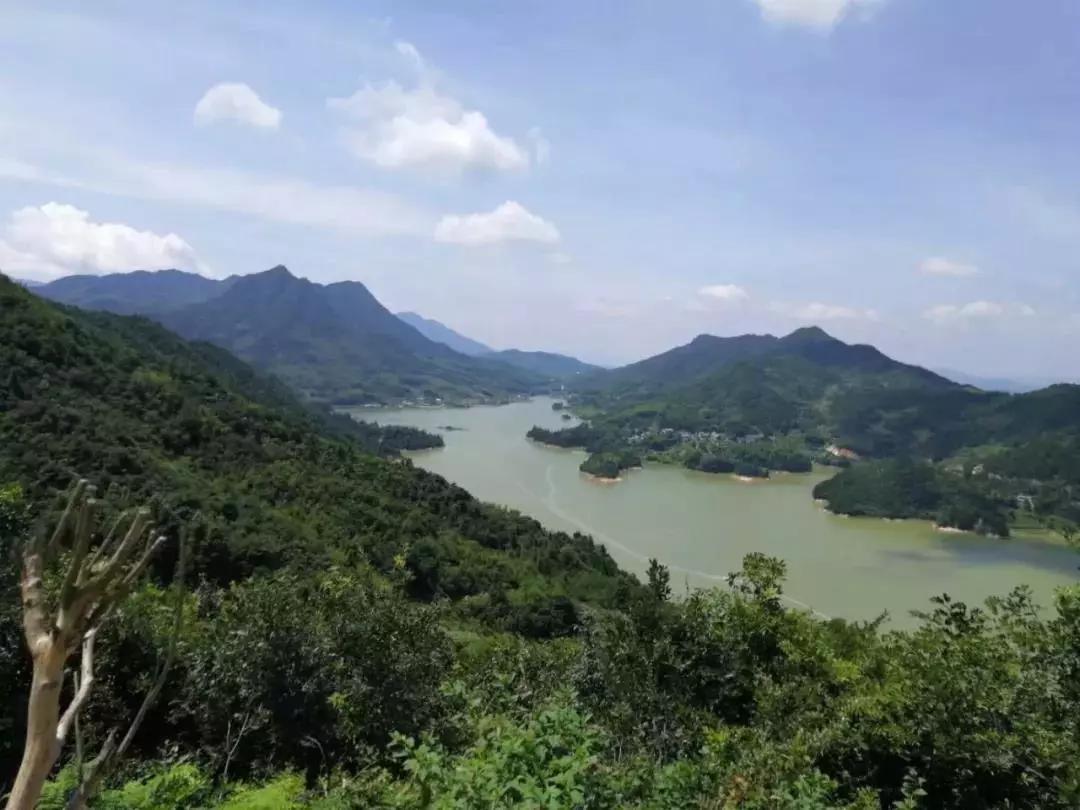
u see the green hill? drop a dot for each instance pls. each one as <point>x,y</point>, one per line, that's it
<point>360,633</point>
<point>780,403</point>
<point>126,403</point>
<point>755,384</point>
<point>142,291</point>
<point>332,343</point>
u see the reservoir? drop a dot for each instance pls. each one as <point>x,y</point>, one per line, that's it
<point>702,525</point>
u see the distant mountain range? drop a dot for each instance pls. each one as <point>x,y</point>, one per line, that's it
<point>547,364</point>
<point>440,333</point>
<point>333,342</point>
<point>142,292</point>
<point>1012,385</point>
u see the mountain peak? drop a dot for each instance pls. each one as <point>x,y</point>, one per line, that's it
<point>807,334</point>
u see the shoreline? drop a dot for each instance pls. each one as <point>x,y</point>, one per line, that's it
<point>599,479</point>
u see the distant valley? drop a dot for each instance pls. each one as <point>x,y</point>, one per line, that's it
<point>747,405</point>
<point>930,447</point>
<point>333,343</point>
<point>547,364</point>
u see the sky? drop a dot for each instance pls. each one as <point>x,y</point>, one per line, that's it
<point>606,179</point>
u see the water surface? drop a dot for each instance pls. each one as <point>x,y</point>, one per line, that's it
<point>702,525</point>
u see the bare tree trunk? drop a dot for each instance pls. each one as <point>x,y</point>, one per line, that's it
<point>41,750</point>
<point>93,585</point>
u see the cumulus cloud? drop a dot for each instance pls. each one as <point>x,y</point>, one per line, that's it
<point>56,239</point>
<point>724,292</point>
<point>942,266</point>
<point>237,102</point>
<point>818,14</point>
<point>510,222</point>
<point>396,127</point>
<point>947,314</point>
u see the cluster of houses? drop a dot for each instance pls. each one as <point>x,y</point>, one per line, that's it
<point>696,436</point>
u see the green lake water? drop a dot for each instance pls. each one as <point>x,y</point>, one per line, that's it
<point>702,525</point>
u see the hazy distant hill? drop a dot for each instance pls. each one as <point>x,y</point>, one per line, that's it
<point>335,342</point>
<point>548,364</point>
<point>441,333</point>
<point>1010,384</point>
<point>142,291</point>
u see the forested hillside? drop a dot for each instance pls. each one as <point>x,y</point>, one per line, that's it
<point>131,406</point>
<point>359,633</point>
<point>753,403</point>
<point>332,343</point>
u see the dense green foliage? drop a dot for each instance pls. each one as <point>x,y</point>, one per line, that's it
<point>319,667</point>
<point>776,403</point>
<point>333,343</point>
<point>908,489</point>
<point>726,699</point>
<point>758,457</point>
<point>609,465</point>
<point>124,402</point>
<point>581,436</point>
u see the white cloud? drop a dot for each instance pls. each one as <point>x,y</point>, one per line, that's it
<point>816,312</point>
<point>942,266</point>
<point>818,14</point>
<point>395,127</point>
<point>509,222</point>
<point>560,258</point>
<point>55,239</point>
<point>947,314</point>
<point>724,292</point>
<point>235,101</point>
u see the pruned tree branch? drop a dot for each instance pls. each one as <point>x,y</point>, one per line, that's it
<point>83,686</point>
<point>91,780</point>
<point>90,591</point>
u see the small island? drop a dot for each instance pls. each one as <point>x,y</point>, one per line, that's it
<point>609,465</point>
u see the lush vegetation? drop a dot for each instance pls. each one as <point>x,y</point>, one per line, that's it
<point>781,403</point>
<point>580,436</point>
<point>609,465</point>
<point>754,459</point>
<point>358,633</point>
<point>335,692</point>
<point>142,413</point>
<point>392,439</point>
<point>333,343</point>
<point>913,489</point>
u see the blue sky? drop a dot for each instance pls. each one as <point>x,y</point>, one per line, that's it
<point>606,179</point>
